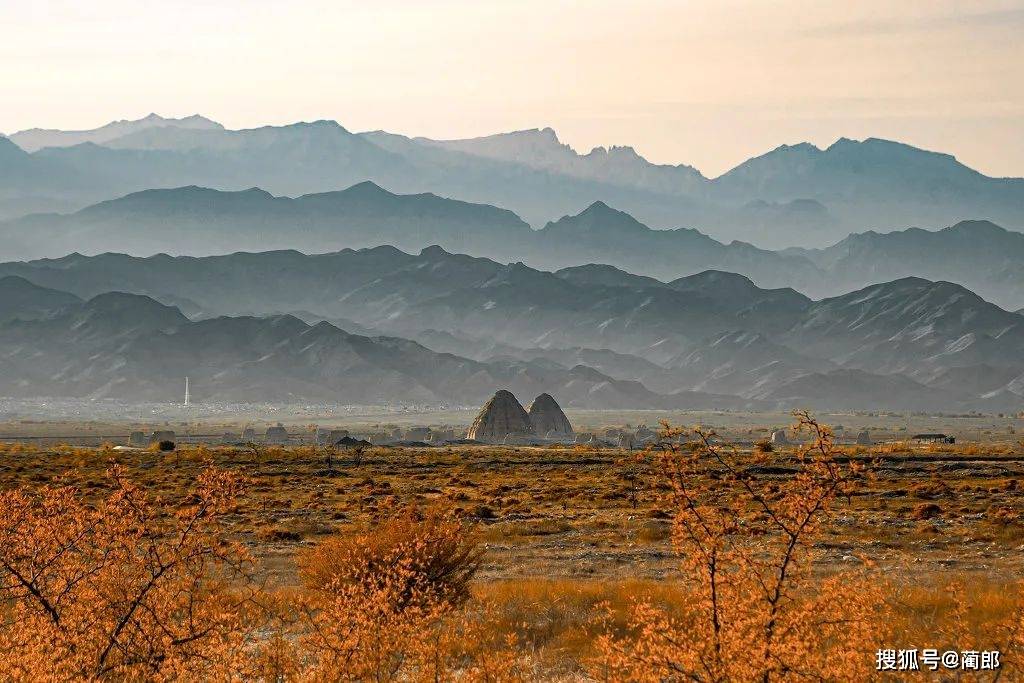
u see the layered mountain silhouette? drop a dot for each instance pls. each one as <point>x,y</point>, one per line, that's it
<point>20,299</point>
<point>510,260</point>
<point>200,221</point>
<point>597,334</point>
<point>795,195</point>
<point>979,255</point>
<point>37,138</point>
<point>131,347</point>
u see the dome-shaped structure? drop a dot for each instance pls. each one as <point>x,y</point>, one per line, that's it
<point>500,416</point>
<point>546,416</point>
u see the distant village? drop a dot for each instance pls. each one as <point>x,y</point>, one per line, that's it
<point>502,420</point>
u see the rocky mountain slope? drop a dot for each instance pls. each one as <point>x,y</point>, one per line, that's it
<point>20,299</point>
<point>980,255</point>
<point>133,348</point>
<point>713,332</point>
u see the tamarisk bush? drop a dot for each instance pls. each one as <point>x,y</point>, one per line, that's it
<point>745,534</point>
<point>125,588</point>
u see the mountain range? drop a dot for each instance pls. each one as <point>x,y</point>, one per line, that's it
<point>794,195</point>
<point>132,347</point>
<point>979,255</point>
<point>285,271</point>
<point>602,335</point>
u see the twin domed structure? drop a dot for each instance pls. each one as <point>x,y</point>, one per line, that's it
<point>503,417</point>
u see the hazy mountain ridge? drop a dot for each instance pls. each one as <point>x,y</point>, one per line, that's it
<point>200,221</point>
<point>34,139</point>
<point>793,195</point>
<point>713,332</point>
<point>977,254</point>
<point>980,255</point>
<point>22,299</point>
<point>131,347</point>
<point>541,149</point>
<point>175,220</point>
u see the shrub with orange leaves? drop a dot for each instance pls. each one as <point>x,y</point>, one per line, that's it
<point>129,588</point>
<point>389,604</point>
<point>744,533</point>
<point>432,551</point>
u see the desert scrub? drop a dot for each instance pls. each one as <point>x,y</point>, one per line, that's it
<point>754,610</point>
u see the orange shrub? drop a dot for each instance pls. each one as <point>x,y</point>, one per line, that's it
<point>754,612</point>
<point>432,552</point>
<point>126,589</point>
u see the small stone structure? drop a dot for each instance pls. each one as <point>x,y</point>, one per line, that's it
<point>546,417</point>
<point>779,438</point>
<point>441,434</point>
<point>162,435</point>
<point>417,434</point>
<point>137,439</point>
<point>277,434</point>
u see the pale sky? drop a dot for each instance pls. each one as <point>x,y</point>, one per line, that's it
<point>703,82</point>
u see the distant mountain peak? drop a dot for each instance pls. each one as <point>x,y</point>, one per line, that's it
<point>258,191</point>
<point>598,207</point>
<point>977,227</point>
<point>546,134</point>
<point>121,311</point>
<point>318,123</point>
<point>798,147</point>
<point>38,138</point>
<point>883,145</point>
<point>367,188</point>
<point>434,251</point>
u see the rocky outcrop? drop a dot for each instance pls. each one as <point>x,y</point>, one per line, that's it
<point>501,416</point>
<point>547,417</point>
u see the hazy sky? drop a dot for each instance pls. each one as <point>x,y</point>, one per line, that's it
<point>704,82</point>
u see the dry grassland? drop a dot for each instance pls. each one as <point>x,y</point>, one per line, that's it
<point>566,530</point>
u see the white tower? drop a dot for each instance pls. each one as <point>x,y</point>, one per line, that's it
<point>186,392</point>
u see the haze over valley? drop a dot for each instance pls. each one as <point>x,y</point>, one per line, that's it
<point>794,195</point>
<point>306,262</point>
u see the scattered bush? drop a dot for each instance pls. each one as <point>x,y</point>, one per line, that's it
<point>754,611</point>
<point>434,553</point>
<point>926,511</point>
<point>130,589</point>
